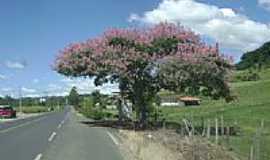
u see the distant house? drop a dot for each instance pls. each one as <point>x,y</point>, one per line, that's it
<point>170,100</point>
<point>187,100</point>
<point>4,106</point>
<point>176,100</point>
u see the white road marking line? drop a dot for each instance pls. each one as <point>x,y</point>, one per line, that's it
<point>61,123</point>
<point>38,157</point>
<point>22,125</point>
<point>113,138</point>
<point>59,126</point>
<point>52,136</point>
<point>66,117</point>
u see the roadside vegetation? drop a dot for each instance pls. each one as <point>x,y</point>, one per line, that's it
<point>248,112</point>
<point>144,62</point>
<point>92,106</point>
<point>246,75</point>
<point>33,109</point>
<point>34,105</point>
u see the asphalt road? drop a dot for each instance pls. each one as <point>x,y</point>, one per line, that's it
<point>55,136</point>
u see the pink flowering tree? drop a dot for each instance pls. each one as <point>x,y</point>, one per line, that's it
<point>144,60</point>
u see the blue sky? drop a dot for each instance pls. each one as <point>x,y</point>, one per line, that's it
<point>33,31</point>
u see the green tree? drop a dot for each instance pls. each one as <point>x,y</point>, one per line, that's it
<point>96,97</point>
<point>74,97</point>
<point>142,61</point>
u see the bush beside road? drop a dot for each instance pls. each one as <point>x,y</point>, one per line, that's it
<point>37,109</point>
<point>98,114</point>
<point>34,109</point>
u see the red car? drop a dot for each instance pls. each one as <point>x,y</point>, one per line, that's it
<point>7,112</point>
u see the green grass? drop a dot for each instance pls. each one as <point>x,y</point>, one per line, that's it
<point>33,109</point>
<point>252,106</point>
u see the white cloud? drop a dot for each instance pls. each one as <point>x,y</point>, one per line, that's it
<point>265,4</point>
<point>83,85</point>
<point>33,95</point>
<point>86,86</point>
<point>16,93</point>
<point>3,77</point>
<point>133,17</point>
<point>6,89</point>
<point>55,90</point>
<point>15,65</point>
<point>28,90</point>
<point>229,28</point>
<point>62,88</point>
<point>53,87</point>
<point>35,80</point>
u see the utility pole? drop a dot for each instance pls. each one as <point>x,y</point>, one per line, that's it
<point>20,99</point>
<point>67,101</point>
<point>45,98</point>
<point>84,102</point>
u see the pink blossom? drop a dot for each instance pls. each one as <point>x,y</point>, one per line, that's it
<point>101,55</point>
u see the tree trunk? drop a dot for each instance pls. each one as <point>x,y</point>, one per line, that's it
<point>120,111</point>
<point>141,95</point>
<point>141,111</point>
<point>144,116</point>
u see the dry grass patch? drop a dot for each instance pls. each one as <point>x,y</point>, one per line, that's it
<point>168,145</point>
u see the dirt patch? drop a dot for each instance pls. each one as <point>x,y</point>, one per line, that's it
<point>168,145</point>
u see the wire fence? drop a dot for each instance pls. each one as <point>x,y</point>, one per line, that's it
<point>247,142</point>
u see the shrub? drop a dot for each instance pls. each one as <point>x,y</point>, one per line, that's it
<point>37,109</point>
<point>247,76</point>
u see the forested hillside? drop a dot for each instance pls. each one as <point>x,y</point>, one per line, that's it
<point>256,59</point>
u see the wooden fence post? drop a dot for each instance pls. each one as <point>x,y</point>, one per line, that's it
<point>262,123</point>
<point>208,129</point>
<point>216,120</point>
<point>251,155</point>
<point>228,135</point>
<point>257,152</point>
<point>222,125</point>
<point>262,142</point>
<point>202,129</point>
<point>163,124</point>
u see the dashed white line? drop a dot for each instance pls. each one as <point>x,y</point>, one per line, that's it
<point>52,136</point>
<point>113,138</point>
<point>61,123</point>
<point>38,157</point>
<point>59,126</point>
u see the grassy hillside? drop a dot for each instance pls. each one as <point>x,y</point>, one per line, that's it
<point>251,108</point>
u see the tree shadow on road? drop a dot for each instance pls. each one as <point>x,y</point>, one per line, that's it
<point>125,125</point>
